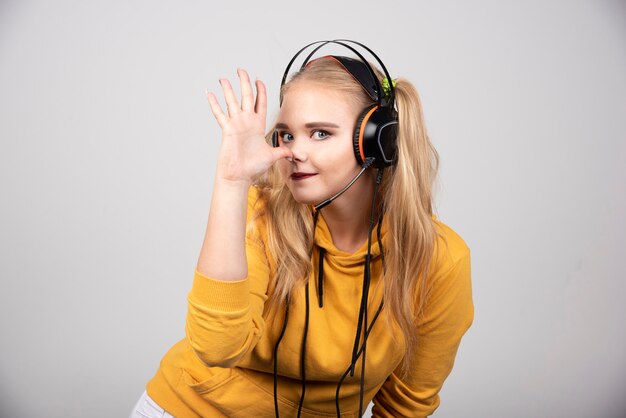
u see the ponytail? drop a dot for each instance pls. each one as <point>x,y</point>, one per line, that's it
<point>409,212</point>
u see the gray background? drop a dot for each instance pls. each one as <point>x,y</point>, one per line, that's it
<point>108,153</point>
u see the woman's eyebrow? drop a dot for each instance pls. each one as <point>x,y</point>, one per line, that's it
<point>309,125</point>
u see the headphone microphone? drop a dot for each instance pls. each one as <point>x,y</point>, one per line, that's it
<point>365,166</point>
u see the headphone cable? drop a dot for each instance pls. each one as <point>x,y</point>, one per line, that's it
<point>343,377</point>
<point>379,178</point>
<point>362,321</point>
<point>303,352</point>
<point>280,338</point>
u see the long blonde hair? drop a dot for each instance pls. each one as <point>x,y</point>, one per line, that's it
<point>406,203</point>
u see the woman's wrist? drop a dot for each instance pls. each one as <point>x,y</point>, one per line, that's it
<point>231,184</point>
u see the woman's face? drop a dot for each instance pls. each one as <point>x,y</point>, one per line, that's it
<point>317,124</point>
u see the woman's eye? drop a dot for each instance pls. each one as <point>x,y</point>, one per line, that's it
<point>320,134</point>
<point>285,137</point>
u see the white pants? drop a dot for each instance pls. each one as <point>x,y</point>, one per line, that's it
<point>148,408</point>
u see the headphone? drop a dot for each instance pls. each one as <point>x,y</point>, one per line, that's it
<point>375,133</point>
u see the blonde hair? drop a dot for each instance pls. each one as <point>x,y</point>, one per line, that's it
<point>406,204</point>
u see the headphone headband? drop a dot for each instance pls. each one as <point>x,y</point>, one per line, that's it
<point>382,101</point>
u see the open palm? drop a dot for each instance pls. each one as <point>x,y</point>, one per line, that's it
<point>244,153</point>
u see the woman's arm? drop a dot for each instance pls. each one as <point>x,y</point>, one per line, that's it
<point>243,157</point>
<point>223,253</point>
<point>224,316</point>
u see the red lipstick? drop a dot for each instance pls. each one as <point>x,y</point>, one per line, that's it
<point>302,176</point>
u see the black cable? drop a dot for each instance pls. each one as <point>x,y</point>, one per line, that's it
<point>303,352</point>
<point>306,325</point>
<point>380,241</point>
<point>339,388</point>
<point>280,337</point>
<point>362,307</point>
<point>282,333</point>
<point>362,382</point>
<point>362,321</point>
<point>362,313</point>
<point>320,278</point>
<point>369,329</point>
<point>366,271</point>
<point>379,178</point>
<point>343,377</point>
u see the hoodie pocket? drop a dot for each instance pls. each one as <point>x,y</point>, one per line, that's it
<point>218,377</point>
<point>237,395</point>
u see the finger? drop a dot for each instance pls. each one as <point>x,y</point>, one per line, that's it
<point>261,98</point>
<point>216,109</point>
<point>247,99</point>
<point>229,96</point>
<point>281,152</point>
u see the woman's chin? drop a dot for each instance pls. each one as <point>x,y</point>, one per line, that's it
<point>305,199</point>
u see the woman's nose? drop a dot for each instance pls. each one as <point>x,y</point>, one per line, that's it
<point>299,149</point>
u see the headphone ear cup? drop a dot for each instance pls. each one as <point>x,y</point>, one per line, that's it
<point>375,136</point>
<point>359,130</point>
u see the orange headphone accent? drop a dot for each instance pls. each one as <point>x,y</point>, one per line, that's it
<point>358,131</point>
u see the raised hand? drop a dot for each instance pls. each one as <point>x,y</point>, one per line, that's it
<point>244,154</point>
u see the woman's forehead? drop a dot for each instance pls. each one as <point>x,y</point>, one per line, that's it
<point>306,102</point>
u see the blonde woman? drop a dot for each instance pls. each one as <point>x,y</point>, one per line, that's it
<point>325,281</point>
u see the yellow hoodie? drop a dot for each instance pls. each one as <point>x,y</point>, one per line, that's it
<point>224,366</point>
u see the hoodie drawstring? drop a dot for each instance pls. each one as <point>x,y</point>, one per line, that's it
<point>320,277</point>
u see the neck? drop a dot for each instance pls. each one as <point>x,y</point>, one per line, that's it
<point>348,216</point>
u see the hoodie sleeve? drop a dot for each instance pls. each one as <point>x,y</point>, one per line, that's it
<point>448,314</point>
<point>224,319</point>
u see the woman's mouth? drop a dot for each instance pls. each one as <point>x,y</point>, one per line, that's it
<point>302,176</point>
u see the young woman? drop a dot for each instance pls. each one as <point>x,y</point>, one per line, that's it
<point>324,281</point>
